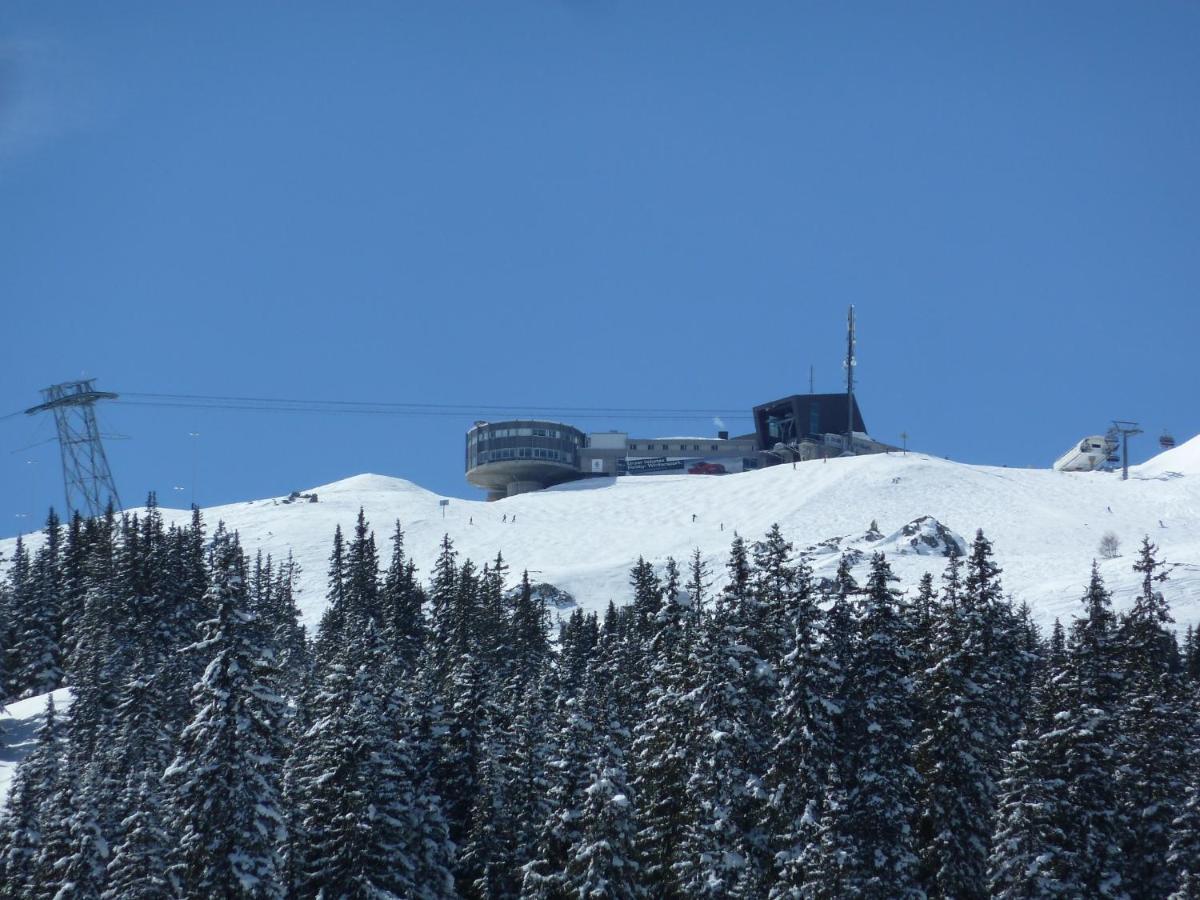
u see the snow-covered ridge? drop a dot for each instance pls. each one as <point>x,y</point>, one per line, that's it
<point>584,537</point>
<point>1178,461</point>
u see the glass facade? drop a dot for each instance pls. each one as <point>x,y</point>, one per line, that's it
<point>546,441</point>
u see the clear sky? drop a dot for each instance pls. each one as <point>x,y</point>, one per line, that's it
<point>589,204</point>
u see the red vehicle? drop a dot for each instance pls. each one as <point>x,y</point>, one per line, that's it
<point>707,468</point>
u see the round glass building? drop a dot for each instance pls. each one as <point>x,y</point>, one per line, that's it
<point>507,458</point>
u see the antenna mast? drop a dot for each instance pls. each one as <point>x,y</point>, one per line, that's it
<point>87,480</point>
<point>850,363</point>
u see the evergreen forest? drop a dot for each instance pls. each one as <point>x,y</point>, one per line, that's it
<point>441,736</point>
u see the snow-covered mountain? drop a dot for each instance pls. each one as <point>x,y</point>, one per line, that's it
<point>583,537</point>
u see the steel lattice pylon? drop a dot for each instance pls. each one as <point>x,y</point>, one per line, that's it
<point>87,480</point>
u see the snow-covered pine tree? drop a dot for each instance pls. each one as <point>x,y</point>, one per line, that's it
<point>15,582</point>
<point>444,596</point>
<point>37,659</point>
<point>184,584</point>
<point>81,872</point>
<point>881,794</point>
<point>22,820</point>
<point>725,832</point>
<point>774,586</point>
<point>1031,851</point>
<point>841,623</point>
<point>603,863</point>
<point>1001,638</point>
<point>567,772</point>
<point>73,588</point>
<point>1183,857</point>
<point>647,597</point>
<point>354,786</point>
<point>831,869</point>
<point>403,600</point>
<point>287,635</point>
<point>806,742</point>
<point>464,727</point>
<point>137,866</point>
<point>334,620</point>
<point>1157,735</point>
<point>1075,753</point>
<point>533,748</point>
<point>663,751</point>
<point>957,752</point>
<point>528,638</point>
<point>362,574</point>
<point>578,639</point>
<point>492,616</point>
<point>224,783</point>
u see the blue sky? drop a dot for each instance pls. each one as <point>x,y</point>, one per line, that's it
<point>601,204</point>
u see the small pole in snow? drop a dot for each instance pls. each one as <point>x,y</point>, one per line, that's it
<point>904,438</point>
<point>443,504</point>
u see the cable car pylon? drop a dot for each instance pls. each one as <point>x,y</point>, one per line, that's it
<point>87,480</point>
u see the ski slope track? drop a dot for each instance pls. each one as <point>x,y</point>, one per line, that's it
<point>583,537</point>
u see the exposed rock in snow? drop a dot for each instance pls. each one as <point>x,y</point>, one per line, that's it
<point>928,537</point>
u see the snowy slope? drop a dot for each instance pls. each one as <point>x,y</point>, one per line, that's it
<point>1173,463</point>
<point>583,537</point>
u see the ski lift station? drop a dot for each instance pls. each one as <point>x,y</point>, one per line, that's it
<point>1088,455</point>
<point>516,456</point>
<point>1106,451</point>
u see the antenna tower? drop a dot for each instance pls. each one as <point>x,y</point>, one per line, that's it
<point>87,480</point>
<point>849,364</point>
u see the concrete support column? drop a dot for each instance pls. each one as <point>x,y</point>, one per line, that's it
<point>523,487</point>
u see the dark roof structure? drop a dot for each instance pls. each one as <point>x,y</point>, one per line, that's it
<point>800,416</point>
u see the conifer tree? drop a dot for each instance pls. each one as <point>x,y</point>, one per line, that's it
<point>361,827</point>
<point>1070,844</point>
<point>567,771</point>
<point>362,575</point>
<point>773,591</point>
<point>22,820</point>
<point>962,742</point>
<point>529,641</point>
<point>444,599</point>
<point>335,619</point>
<point>137,868</point>
<point>37,667</point>
<point>647,597</point>
<point>516,774</point>
<point>603,863</point>
<point>402,601</point>
<point>1183,858</point>
<point>724,785</point>
<point>224,782</point>
<point>806,744</point>
<point>81,870</point>
<point>880,800</point>
<point>1156,735</point>
<point>663,752</point>
<point>1031,852</point>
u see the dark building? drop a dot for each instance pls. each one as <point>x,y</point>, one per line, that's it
<point>803,417</point>
<point>506,458</point>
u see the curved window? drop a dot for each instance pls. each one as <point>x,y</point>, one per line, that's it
<point>498,442</point>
